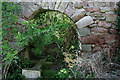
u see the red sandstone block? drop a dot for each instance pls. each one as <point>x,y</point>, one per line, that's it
<point>93,39</point>
<point>99,30</point>
<point>104,24</point>
<point>93,9</point>
<point>101,41</point>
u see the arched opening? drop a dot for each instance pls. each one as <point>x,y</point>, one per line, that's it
<point>56,44</point>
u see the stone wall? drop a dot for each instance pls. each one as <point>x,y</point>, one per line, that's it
<point>95,22</point>
<point>101,34</point>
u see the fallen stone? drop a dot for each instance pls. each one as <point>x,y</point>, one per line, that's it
<point>31,73</point>
<point>79,13</point>
<point>85,21</point>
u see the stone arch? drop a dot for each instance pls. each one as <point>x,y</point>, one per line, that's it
<point>73,10</point>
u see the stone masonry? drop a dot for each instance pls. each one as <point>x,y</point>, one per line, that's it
<point>95,21</point>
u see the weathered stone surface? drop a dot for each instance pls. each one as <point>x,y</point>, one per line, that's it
<point>94,9</point>
<point>85,21</point>
<point>39,3</point>
<point>84,31</point>
<point>79,13</point>
<point>110,38</point>
<point>32,6</point>
<point>99,4</point>
<point>45,5</point>
<point>85,5</point>
<point>110,16</point>
<point>93,39</point>
<point>57,5</point>
<point>104,24</point>
<point>105,9</point>
<point>51,5</point>
<point>99,30</point>
<point>62,6</point>
<point>86,48</point>
<point>90,4</point>
<point>69,10</point>
<point>31,73</point>
<point>97,15</point>
<point>78,5</point>
<point>107,4</point>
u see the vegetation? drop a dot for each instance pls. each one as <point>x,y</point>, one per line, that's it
<point>117,12</point>
<point>48,37</point>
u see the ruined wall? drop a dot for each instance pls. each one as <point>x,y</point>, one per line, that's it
<point>95,22</point>
<point>101,34</point>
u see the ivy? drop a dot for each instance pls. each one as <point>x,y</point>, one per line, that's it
<point>46,29</point>
<point>9,19</point>
<point>117,12</point>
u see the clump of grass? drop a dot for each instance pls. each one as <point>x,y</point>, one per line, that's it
<point>91,65</point>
